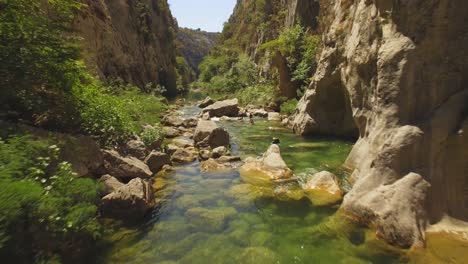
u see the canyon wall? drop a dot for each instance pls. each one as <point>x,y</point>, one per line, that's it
<point>130,40</point>
<point>394,74</point>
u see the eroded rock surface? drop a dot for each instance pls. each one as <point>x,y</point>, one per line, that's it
<point>393,74</point>
<point>323,188</point>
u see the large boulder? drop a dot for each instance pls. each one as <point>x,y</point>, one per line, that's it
<point>125,168</point>
<point>223,108</point>
<point>267,170</point>
<point>209,134</point>
<point>156,160</point>
<point>206,102</point>
<point>110,183</point>
<point>135,148</point>
<point>323,188</point>
<point>173,121</point>
<point>130,202</point>
<point>84,154</point>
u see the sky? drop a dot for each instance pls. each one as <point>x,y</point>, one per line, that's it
<point>208,15</point>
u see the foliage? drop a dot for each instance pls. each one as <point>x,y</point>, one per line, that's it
<point>300,49</point>
<point>185,74</point>
<point>289,106</point>
<point>152,134</point>
<point>258,94</point>
<point>45,208</point>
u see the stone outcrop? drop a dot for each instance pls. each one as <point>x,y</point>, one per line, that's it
<point>130,202</point>
<point>393,75</point>
<point>266,170</point>
<point>206,102</point>
<point>125,168</point>
<point>223,108</point>
<point>130,40</point>
<point>323,188</point>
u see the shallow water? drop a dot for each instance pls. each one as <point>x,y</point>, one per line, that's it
<point>216,218</point>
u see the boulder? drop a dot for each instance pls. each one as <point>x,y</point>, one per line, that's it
<point>125,168</point>
<point>218,137</point>
<point>156,160</point>
<point>323,189</point>
<point>218,152</point>
<point>183,156</point>
<point>135,148</point>
<point>267,170</point>
<point>130,202</point>
<point>182,142</point>
<point>171,132</point>
<point>203,130</point>
<point>84,154</point>
<point>227,159</point>
<point>110,183</point>
<point>173,121</point>
<point>212,165</point>
<point>171,148</point>
<point>274,116</point>
<point>259,112</point>
<point>223,108</point>
<point>206,102</point>
<point>190,122</point>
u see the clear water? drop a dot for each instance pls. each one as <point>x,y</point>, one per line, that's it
<point>216,218</point>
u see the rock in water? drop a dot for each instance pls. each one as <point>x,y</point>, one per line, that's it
<point>156,161</point>
<point>218,152</point>
<point>209,220</point>
<point>323,189</point>
<point>206,102</point>
<point>203,130</point>
<point>183,156</point>
<point>130,202</point>
<point>223,108</point>
<point>208,133</point>
<point>125,168</point>
<point>266,170</point>
<point>274,116</point>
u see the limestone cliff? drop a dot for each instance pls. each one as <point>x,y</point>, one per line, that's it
<point>394,74</point>
<point>194,45</point>
<point>132,40</point>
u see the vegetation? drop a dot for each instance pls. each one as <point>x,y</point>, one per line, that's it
<point>46,211</point>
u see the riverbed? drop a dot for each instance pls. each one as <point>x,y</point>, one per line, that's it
<point>215,217</point>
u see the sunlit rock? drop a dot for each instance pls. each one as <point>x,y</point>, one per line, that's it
<point>323,189</point>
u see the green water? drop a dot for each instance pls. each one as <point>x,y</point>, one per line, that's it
<point>216,218</point>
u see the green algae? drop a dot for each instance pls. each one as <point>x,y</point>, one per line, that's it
<point>216,217</point>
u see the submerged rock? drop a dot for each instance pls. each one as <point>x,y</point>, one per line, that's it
<point>223,108</point>
<point>125,168</point>
<point>254,255</point>
<point>209,220</point>
<point>266,170</point>
<point>323,189</point>
<point>129,202</point>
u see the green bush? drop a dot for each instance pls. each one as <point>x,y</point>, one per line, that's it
<point>289,106</point>
<point>258,94</point>
<point>45,209</point>
<point>152,134</point>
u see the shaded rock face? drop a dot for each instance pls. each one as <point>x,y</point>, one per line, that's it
<point>130,202</point>
<point>131,40</point>
<point>125,168</point>
<point>223,108</point>
<point>394,74</point>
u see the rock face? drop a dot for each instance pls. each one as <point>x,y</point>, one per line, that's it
<point>393,74</point>
<point>125,168</point>
<point>323,189</point>
<point>157,160</point>
<point>266,170</point>
<point>130,40</point>
<point>223,108</point>
<point>130,202</point>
